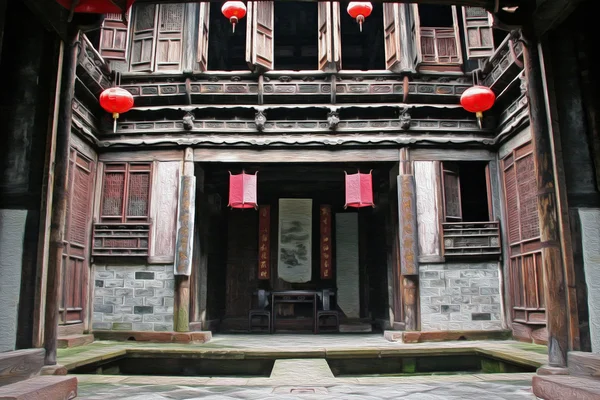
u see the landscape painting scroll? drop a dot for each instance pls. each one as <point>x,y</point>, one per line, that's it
<point>295,240</point>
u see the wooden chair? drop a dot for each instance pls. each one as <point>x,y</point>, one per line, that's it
<point>260,317</point>
<point>326,313</point>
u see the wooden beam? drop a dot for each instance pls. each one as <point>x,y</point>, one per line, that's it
<point>294,155</point>
<point>557,318</point>
<point>52,15</point>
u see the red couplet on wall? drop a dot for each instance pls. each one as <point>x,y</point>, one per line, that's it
<point>264,244</point>
<point>359,190</point>
<point>242,190</point>
<point>97,6</point>
<point>325,228</point>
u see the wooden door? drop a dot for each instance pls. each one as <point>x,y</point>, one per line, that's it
<point>526,281</point>
<point>75,268</point>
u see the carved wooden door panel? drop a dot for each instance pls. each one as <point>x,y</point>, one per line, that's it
<point>75,269</point>
<point>526,279</point>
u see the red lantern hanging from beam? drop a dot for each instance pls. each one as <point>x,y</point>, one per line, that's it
<point>359,10</point>
<point>242,190</point>
<point>97,6</point>
<point>116,101</point>
<point>234,11</point>
<point>359,190</point>
<point>478,99</point>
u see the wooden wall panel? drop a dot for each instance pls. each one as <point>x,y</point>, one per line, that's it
<point>164,197</point>
<point>426,181</point>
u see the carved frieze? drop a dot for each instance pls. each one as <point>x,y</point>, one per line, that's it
<point>94,71</point>
<point>502,65</point>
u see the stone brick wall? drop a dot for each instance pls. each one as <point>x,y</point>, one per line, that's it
<point>133,298</point>
<point>463,296</point>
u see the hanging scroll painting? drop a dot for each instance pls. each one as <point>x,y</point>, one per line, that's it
<point>295,240</point>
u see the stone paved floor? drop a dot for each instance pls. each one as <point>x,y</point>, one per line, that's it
<point>304,378</point>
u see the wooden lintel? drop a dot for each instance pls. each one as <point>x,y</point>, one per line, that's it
<point>150,155</point>
<point>451,155</point>
<point>289,155</point>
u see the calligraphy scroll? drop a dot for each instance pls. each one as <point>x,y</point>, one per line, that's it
<point>264,245</point>
<point>325,226</point>
<point>408,225</point>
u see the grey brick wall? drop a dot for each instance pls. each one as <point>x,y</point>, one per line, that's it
<point>133,298</point>
<point>462,296</point>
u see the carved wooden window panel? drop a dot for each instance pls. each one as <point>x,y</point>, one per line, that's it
<point>451,191</point>
<point>113,38</point>
<point>157,37</point>
<point>478,33</point>
<point>437,45</point>
<point>126,192</point>
<point>525,258</point>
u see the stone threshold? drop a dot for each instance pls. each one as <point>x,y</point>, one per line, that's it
<point>298,380</point>
<point>70,341</point>
<point>442,336</point>
<point>155,337</point>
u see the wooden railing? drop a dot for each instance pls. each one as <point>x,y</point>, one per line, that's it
<point>472,239</point>
<point>121,239</point>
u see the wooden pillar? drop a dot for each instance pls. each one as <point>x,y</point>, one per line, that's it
<point>59,200</point>
<point>2,18</point>
<point>185,243</point>
<point>407,216</point>
<point>554,276</point>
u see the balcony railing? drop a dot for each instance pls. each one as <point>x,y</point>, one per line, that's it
<point>121,239</point>
<point>472,239</point>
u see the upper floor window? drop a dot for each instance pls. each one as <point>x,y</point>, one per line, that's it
<point>125,192</point>
<point>296,36</point>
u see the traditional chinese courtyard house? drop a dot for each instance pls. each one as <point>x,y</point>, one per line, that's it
<point>307,171</point>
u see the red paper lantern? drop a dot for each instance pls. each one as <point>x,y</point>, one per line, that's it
<point>96,6</point>
<point>116,100</point>
<point>359,190</point>
<point>242,190</point>
<point>234,11</point>
<point>359,10</point>
<point>478,99</point>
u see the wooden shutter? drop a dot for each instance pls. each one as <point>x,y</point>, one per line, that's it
<point>477,29</point>
<point>113,38</point>
<point>203,20</point>
<point>143,37</point>
<point>169,46</point>
<point>336,49</point>
<point>451,190</point>
<point>138,193</point>
<point>446,46</point>
<point>414,28</point>
<point>512,200</point>
<point>391,31</point>
<point>325,33</point>
<point>527,188</point>
<point>113,190</point>
<point>329,36</point>
<point>259,40</point>
<point>427,36</point>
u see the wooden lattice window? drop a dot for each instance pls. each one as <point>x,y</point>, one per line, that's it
<point>126,192</point>
<point>438,38</point>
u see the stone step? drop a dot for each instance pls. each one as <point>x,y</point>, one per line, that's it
<point>314,370</point>
<point>584,364</point>
<point>19,365</point>
<point>355,327</point>
<point>66,342</point>
<point>41,388</point>
<point>563,387</point>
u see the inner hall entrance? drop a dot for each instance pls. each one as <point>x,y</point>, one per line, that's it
<point>228,284</point>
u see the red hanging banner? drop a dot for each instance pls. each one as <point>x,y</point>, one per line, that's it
<point>242,190</point>
<point>359,190</point>
<point>264,244</point>
<point>325,226</point>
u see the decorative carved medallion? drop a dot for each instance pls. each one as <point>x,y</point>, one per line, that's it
<point>405,120</point>
<point>260,119</point>
<point>333,119</point>
<point>188,121</point>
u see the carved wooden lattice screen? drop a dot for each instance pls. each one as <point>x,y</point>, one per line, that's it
<point>77,237</point>
<point>126,192</point>
<point>525,264</point>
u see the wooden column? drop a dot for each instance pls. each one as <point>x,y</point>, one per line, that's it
<point>407,217</point>
<point>185,243</point>
<point>59,199</point>
<point>554,275</point>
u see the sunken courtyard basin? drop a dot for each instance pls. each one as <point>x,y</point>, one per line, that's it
<point>165,363</point>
